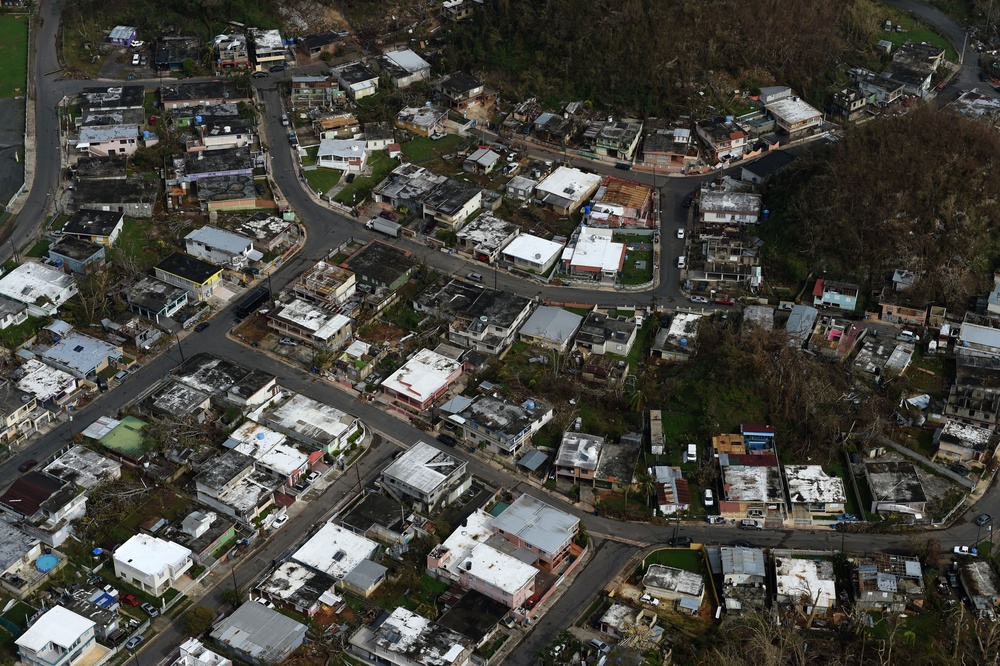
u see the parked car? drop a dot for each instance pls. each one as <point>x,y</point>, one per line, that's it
<point>531,602</point>
<point>134,642</point>
<point>313,476</point>
<point>277,68</point>
<point>709,497</point>
<point>475,277</point>
<point>259,189</point>
<point>350,178</point>
<point>120,376</point>
<point>201,327</point>
<point>447,440</point>
<point>128,600</point>
<point>715,520</point>
<point>27,465</point>
<point>138,44</point>
<point>742,543</point>
<point>725,300</point>
<point>680,232</point>
<point>983,518</point>
<point>689,199</point>
<point>259,75</point>
<point>964,550</point>
<point>599,645</point>
<point>388,214</point>
<point>135,59</point>
<point>288,341</point>
<point>680,541</point>
<point>647,599</point>
<point>699,299</point>
<point>151,610</point>
<point>751,524</point>
<point>279,521</point>
<point>959,469</point>
<point>143,61</point>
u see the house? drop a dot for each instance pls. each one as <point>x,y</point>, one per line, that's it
<point>594,255</point>
<point>979,334</point>
<point>19,551</point>
<point>317,425</point>
<point>422,120</point>
<point>81,355</point>
<point>461,92</point>
<point>221,247</point>
<point>267,48</point>
<point>475,616</point>
<point>566,188</point>
<point>878,357</point>
<point>982,586</point>
<point>407,639</point>
<point>96,226</point>
<point>603,334</point>
<point>193,653</point>
<point>831,293</point>
<point>554,128</point>
<point>255,389</point>
<point>41,288</point>
<point>169,53</point>
<point>406,186</point>
<point>199,278</point>
<point>20,414</point>
<point>381,136</point>
<point>12,313</point>
<point>501,426</point>
<point>962,443</point>
<point>764,170</point>
<point>884,89</point>
<point>123,35</point>
<point>325,284</point>
<point>312,47</point>
<point>451,203</point>
<point>550,328</point>
<point>678,342</point>
<point>752,487</point>
<point>973,405</point>
<point>458,10</point>
<point>338,126</point>
<point>46,383</point>
<point>813,492</point>
<point>794,116</point>
<point>851,104</point>
<point>426,476</point>
<point>347,155</point>
<point>671,584</point>
<point>113,98</point>
<point>356,80</point>
<point>578,457</point>
<point>297,588</point>
<point>134,196</point>
<point>835,338</point>
<point>233,50</point>
<point>43,506</point>
<point>895,488</point>
<point>894,313</point>
<point>742,566</point>
<point>130,329</point>
<point>618,139</point>
<point>150,563</point>
<point>338,552</point>
<point>108,140</point>
<point>219,136</point>
<point>520,188</point>
<point>310,323</point>
<point>619,620</point>
<point>311,92</point>
<point>404,67</point>
<point>485,237</point>
<point>673,494</point>
<point>723,138</point>
<point>888,583</point>
<point>194,167</point>
<point>76,256</point>
<point>380,517</point>
<point>156,300</point>
<point>93,168</point>
<point>179,402</point>
<point>622,203</point>
<point>269,233</point>
<point>547,533</point>
<point>205,533</point>
<point>482,160</point>
<point>59,637</point>
<point>728,207</point>
<point>531,253</point>
<point>271,452</point>
<point>99,606</point>
<point>185,117</point>
<point>229,483</point>
<point>257,634</point>
<point>421,380</point>
<point>800,324</point>
<point>805,584</point>
<point>202,93</point>
<point>671,150</point>
<point>379,266</point>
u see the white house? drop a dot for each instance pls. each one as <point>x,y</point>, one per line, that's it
<point>221,247</point>
<point>532,253</point>
<point>150,563</point>
<point>42,289</point>
<point>422,379</point>
<point>60,637</point>
<point>347,155</point>
<point>566,188</point>
<point>108,140</point>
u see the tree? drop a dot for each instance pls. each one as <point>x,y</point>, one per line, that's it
<point>232,597</point>
<point>198,620</point>
<point>189,67</point>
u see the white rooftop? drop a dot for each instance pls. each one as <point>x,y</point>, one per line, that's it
<point>81,353</point>
<point>418,640</point>
<point>309,418</point>
<point>498,569</point>
<point>322,324</point>
<point>677,580</point>
<point>342,147</point>
<point>568,183</point>
<point>423,376</point>
<point>532,248</point>
<point>423,468</point>
<point>193,653</point>
<point>408,60</point>
<point>267,447</point>
<point>335,550</point>
<point>595,250</point>
<point>30,282</point>
<point>537,524</point>
<point>43,381</point>
<point>792,110</point>
<point>969,434</point>
<point>553,324</point>
<point>751,483</point>
<point>220,239</point>
<point>85,467</point>
<point>729,201</point>
<point>487,233</point>
<point>267,38</point>
<point>580,450</point>
<point>59,625</point>
<point>251,435</point>
<point>98,133</point>
<point>806,578</point>
<point>151,555</point>
<point>809,483</point>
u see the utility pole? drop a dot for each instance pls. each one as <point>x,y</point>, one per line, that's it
<point>179,347</point>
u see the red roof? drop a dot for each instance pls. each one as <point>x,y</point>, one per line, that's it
<point>29,492</point>
<point>683,491</point>
<point>750,460</point>
<point>755,427</point>
<point>818,289</point>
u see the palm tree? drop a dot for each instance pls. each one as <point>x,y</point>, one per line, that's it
<point>647,485</point>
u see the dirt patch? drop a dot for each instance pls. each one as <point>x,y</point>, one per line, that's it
<point>378,331</point>
<point>308,16</point>
<point>252,330</point>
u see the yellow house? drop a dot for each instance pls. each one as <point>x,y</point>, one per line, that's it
<point>199,278</point>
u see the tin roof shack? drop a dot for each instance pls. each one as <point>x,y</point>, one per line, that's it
<point>895,488</point>
<point>579,456</point>
<point>313,423</point>
<point>325,284</point>
<point>888,583</point>
<point>486,236</point>
<point>268,232</point>
<point>380,266</point>
<point>310,323</point>
<point>835,338</point>
<point>210,373</point>
<point>42,289</point>
<point>672,491</point>
<point>380,517</point>
<point>678,342</point>
<point>813,492</point>
<point>566,188</point>
<point>958,442</point>
<point>804,584</point>
<point>404,638</point>
<point>43,506</point>
<point>219,246</point>
<point>258,634</point>
<point>150,563</point>
<point>230,483</point>
<point>84,467</point>
<point>426,476</point>
<point>135,196</point>
<point>879,357</point>
<point>482,160</point>
<point>504,427</point>
<point>297,588</point>
<point>404,67</point>
<point>751,487</point>
<point>743,578</point>
<point>675,585</point>
<point>424,378</point>
<point>620,203</point>
<point>344,555</point>
<point>602,334</point>
<point>982,586</point>
<point>800,325</point>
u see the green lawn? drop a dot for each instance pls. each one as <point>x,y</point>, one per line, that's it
<point>421,148</point>
<point>916,31</point>
<point>13,55</point>
<point>380,165</point>
<point>632,273</point>
<point>679,558</point>
<point>133,242</point>
<point>39,250</point>
<point>322,180</point>
<point>309,159</point>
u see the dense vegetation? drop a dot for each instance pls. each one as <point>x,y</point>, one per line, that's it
<point>654,57</point>
<point>916,192</point>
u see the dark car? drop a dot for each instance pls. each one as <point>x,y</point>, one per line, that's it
<point>680,541</point>
<point>448,440</point>
<point>277,68</point>
<point>388,214</point>
<point>742,543</point>
<point>689,199</point>
<point>27,464</point>
<point>201,327</point>
<point>983,518</point>
<point>129,600</point>
<point>350,178</point>
<point>958,469</point>
<point>259,189</point>
<point>259,75</point>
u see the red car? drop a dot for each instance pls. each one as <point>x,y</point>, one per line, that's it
<point>388,214</point>
<point>724,300</point>
<point>27,464</point>
<point>129,600</point>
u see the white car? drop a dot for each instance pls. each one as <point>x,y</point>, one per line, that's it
<point>698,299</point>
<point>709,497</point>
<point>135,59</point>
<point>279,521</point>
<point>680,233</point>
<point>652,601</point>
<point>965,550</point>
<point>138,44</point>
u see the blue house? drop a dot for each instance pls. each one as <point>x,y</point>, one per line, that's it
<point>757,437</point>
<point>843,295</point>
<point>123,35</point>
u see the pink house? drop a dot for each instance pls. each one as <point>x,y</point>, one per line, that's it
<point>422,380</point>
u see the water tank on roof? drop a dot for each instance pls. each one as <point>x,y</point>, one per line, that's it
<point>530,404</point>
<point>197,119</point>
<point>260,435</point>
<point>767,213</point>
<point>145,135</point>
<point>729,119</point>
<point>586,210</point>
<point>684,342</point>
<point>227,129</point>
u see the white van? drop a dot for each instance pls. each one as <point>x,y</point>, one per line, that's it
<point>691,454</point>
<point>681,262</point>
<point>751,524</point>
<point>709,497</point>
<point>907,336</point>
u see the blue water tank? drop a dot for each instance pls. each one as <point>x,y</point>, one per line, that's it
<point>260,435</point>
<point>767,213</point>
<point>145,135</point>
<point>197,119</point>
<point>586,210</point>
<point>729,119</point>
<point>530,404</point>
<point>684,342</point>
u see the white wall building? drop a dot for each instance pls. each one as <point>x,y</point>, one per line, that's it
<point>42,289</point>
<point>221,247</point>
<point>150,563</point>
<point>60,637</point>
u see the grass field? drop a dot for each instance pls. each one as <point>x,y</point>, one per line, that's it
<point>322,180</point>
<point>13,55</point>
<point>421,148</point>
